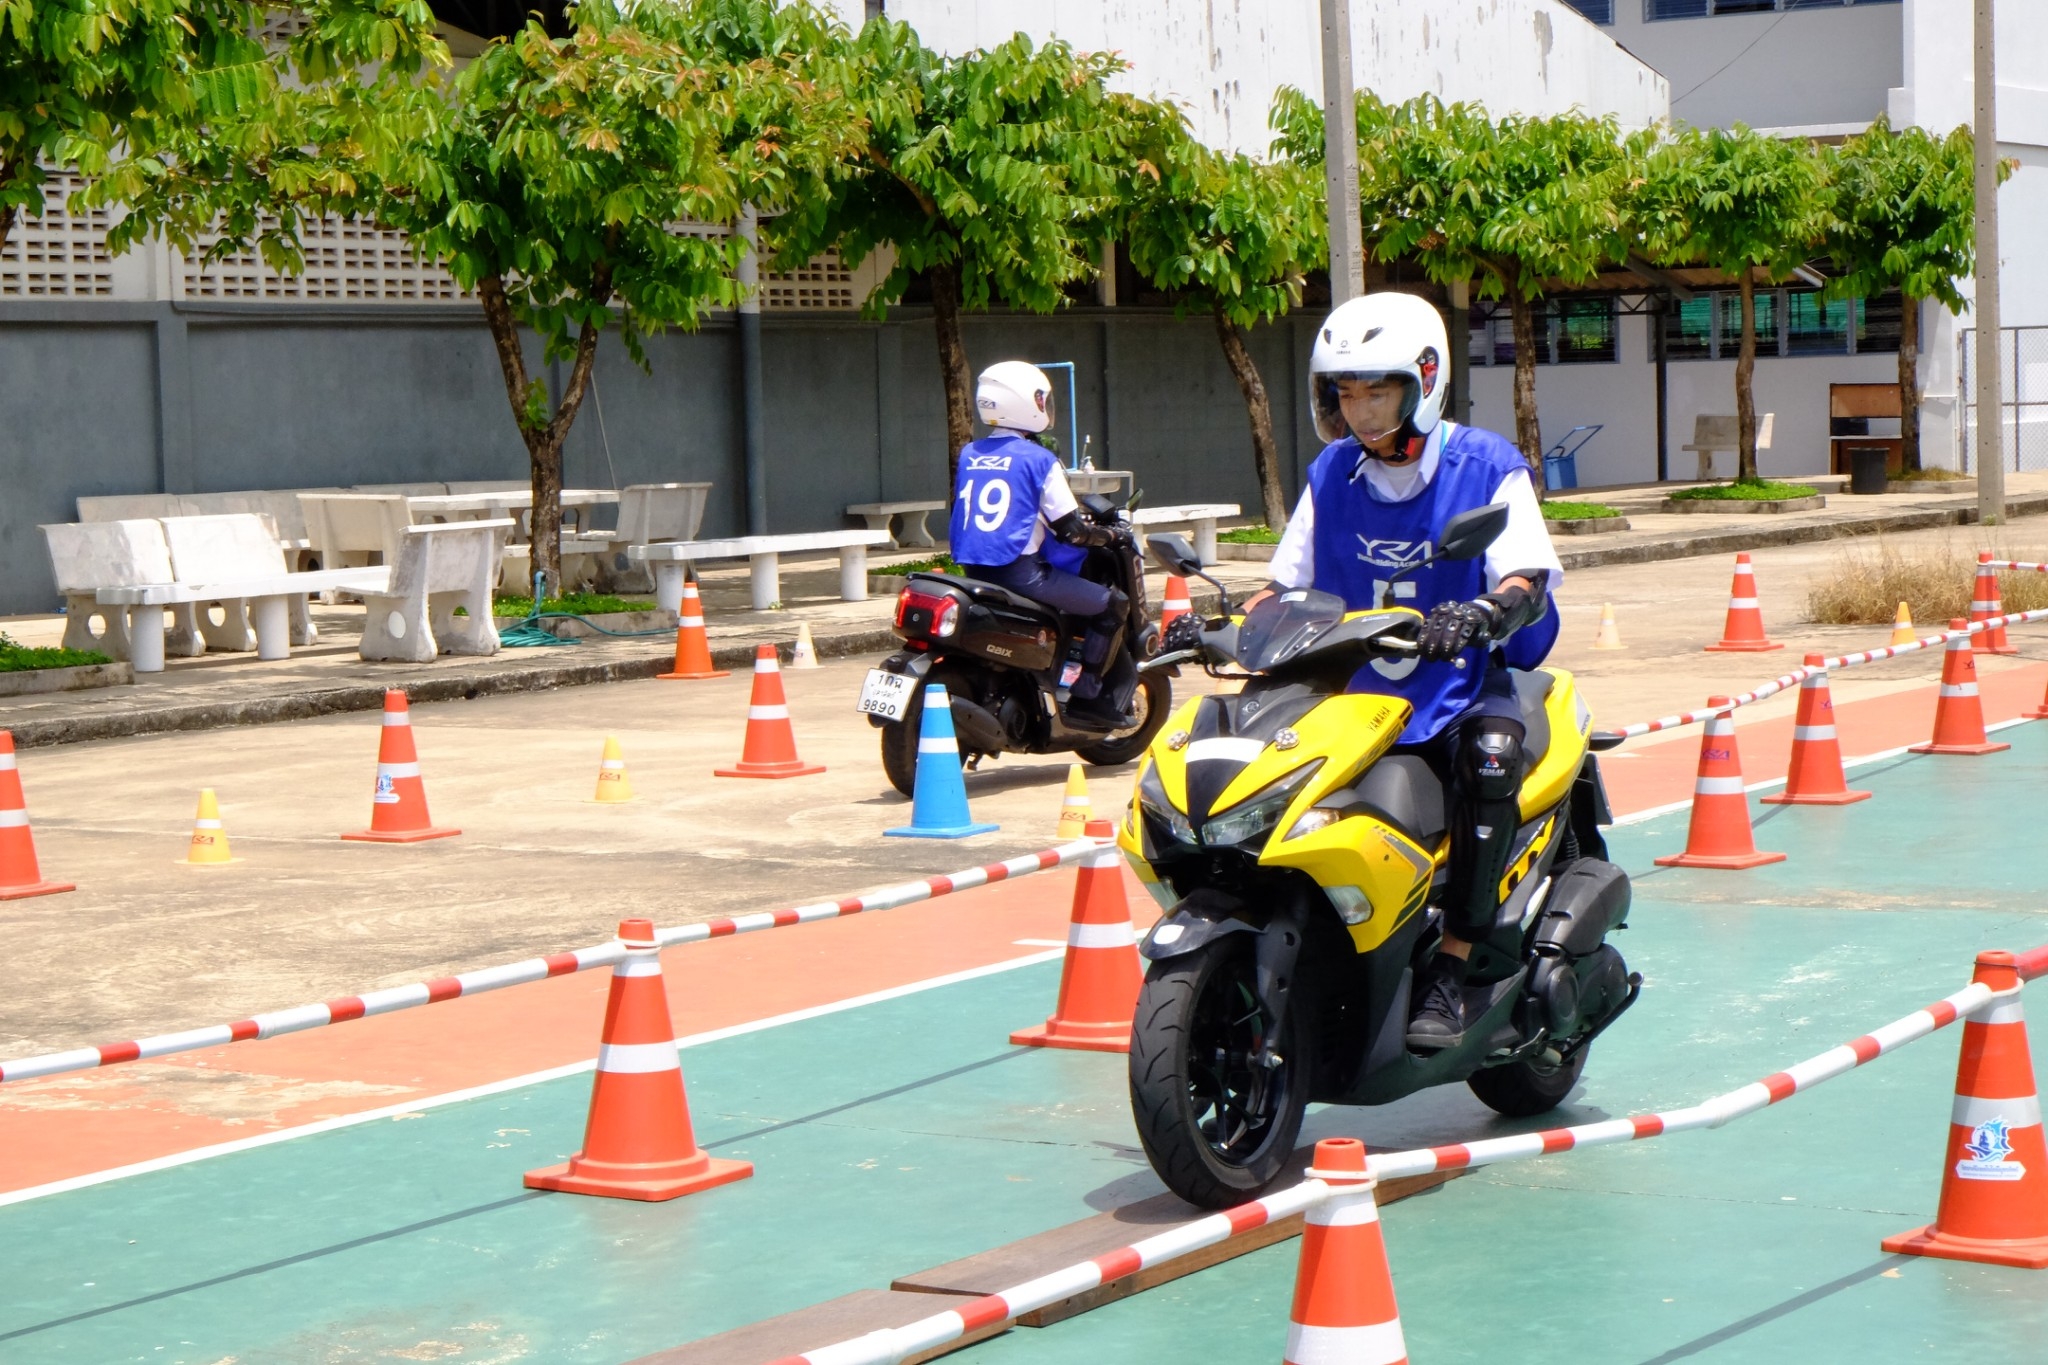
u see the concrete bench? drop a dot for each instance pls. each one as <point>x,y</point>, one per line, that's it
<point>231,562</point>
<point>764,555</point>
<point>648,513</point>
<point>1711,433</point>
<point>350,530</point>
<point>878,515</point>
<point>437,568</point>
<point>282,506</point>
<point>1203,516</point>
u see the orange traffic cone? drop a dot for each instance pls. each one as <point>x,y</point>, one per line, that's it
<point>770,748</point>
<point>398,810</point>
<point>1175,603</point>
<point>1743,631</point>
<point>1815,777</point>
<point>1985,603</point>
<point>20,877</point>
<point>637,1143</point>
<point>1719,834</point>
<point>1344,1311</point>
<point>1994,1183</point>
<point>1959,713</point>
<point>1100,978</point>
<point>693,647</point>
<point>2040,712</point>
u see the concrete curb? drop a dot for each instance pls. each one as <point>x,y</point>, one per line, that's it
<point>1717,540</point>
<point>41,681</point>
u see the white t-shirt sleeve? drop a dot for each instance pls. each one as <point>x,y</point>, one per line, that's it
<point>1525,544</point>
<point>1294,559</point>
<point>1055,500</point>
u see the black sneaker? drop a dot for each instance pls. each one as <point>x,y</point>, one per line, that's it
<point>1097,713</point>
<point>1438,1020</point>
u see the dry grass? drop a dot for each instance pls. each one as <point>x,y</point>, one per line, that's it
<point>1864,587</point>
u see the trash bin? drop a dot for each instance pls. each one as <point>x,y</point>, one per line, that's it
<point>1866,469</point>
<point>1562,471</point>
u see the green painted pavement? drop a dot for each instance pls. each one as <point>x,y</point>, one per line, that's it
<point>906,1133</point>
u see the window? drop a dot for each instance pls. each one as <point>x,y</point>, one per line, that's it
<point>1766,322</point>
<point>1569,332</point>
<point>1816,326</point>
<point>1599,11</point>
<point>1689,331</point>
<point>1788,322</point>
<point>1700,9</point>
<point>1877,324</point>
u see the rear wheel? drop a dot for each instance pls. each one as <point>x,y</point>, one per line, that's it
<point>1218,1126</point>
<point>1153,702</point>
<point>1523,1090</point>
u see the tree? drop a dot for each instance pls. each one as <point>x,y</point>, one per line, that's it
<point>991,175</point>
<point>1903,219</point>
<point>1230,237</point>
<point>1739,202</point>
<point>1506,204</point>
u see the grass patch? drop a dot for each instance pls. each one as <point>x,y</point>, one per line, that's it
<point>1929,476</point>
<point>20,658</point>
<point>1863,587</point>
<point>936,564</point>
<point>1249,535</point>
<point>1759,490</point>
<point>1558,509</point>
<point>575,603</point>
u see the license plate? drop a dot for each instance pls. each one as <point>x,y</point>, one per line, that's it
<point>885,694</point>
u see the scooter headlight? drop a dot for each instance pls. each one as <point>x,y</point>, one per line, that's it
<point>1152,800</point>
<point>1257,814</point>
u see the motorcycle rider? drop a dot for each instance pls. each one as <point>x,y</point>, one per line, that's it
<point>1377,498</point>
<point>1010,491</point>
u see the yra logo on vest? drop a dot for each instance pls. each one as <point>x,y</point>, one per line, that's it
<point>987,462</point>
<point>1986,1153</point>
<point>1393,554</point>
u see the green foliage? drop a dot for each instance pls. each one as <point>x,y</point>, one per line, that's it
<point>572,603</point>
<point>20,658</point>
<point>1745,490</point>
<point>1558,509</point>
<point>1734,200</point>
<point>942,563</point>
<point>1249,535</point>
<point>1903,214</point>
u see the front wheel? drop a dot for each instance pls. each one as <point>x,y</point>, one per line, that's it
<point>1218,1123</point>
<point>1523,1090</point>
<point>1153,701</point>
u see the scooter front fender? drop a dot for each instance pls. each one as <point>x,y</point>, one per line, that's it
<point>1196,922</point>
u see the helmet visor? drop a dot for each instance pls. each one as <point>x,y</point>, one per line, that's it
<point>1367,403</point>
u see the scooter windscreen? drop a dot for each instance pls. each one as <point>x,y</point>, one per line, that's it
<point>1283,625</point>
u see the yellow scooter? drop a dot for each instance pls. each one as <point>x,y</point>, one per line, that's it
<point>1297,857</point>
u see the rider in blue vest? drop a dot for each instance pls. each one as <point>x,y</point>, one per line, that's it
<point>1377,499</point>
<point>1009,493</point>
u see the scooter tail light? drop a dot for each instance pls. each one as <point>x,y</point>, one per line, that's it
<point>948,619</point>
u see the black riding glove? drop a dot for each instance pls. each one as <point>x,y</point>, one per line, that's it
<point>1516,606</point>
<point>1451,628</point>
<point>1184,633</point>
<point>1076,529</point>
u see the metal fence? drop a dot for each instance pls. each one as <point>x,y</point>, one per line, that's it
<point>2023,411</point>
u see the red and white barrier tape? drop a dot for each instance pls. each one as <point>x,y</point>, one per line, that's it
<point>891,1345</point>
<point>2019,565</point>
<point>1802,673</point>
<point>532,969</point>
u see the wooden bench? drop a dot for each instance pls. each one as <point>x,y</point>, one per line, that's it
<point>1710,434</point>
<point>670,559</point>
<point>437,568</point>
<point>1203,516</point>
<point>878,515</point>
<point>231,562</point>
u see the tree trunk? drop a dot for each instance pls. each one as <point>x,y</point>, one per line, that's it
<point>952,365</point>
<point>1528,427</point>
<point>6,217</point>
<point>1909,385</point>
<point>1265,453</point>
<point>1745,395</point>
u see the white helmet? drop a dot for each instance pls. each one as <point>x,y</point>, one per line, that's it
<point>1381,336</point>
<point>1014,394</point>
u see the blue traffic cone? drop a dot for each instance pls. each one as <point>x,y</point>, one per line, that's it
<point>939,810</point>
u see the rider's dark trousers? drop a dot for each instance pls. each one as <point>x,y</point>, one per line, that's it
<point>1478,756</point>
<point>1030,576</point>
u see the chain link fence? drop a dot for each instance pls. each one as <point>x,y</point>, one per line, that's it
<point>2023,411</point>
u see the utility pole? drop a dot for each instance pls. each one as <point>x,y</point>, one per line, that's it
<point>753,420</point>
<point>1340,156</point>
<point>1990,401</point>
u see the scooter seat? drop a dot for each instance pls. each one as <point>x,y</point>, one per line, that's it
<point>1531,690</point>
<point>991,595</point>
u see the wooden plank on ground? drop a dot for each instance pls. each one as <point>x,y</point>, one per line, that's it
<point>840,1319</point>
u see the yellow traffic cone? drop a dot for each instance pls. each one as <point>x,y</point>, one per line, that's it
<point>1902,626</point>
<point>613,786</point>
<point>1075,811</point>
<point>209,837</point>
<point>1609,636</point>
<point>805,655</point>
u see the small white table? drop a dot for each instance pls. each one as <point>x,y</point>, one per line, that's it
<point>1200,515</point>
<point>488,506</point>
<point>878,515</point>
<point>669,559</point>
<point>1103,481</point>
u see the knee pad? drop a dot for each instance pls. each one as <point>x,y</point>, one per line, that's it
<point>1490,761</point>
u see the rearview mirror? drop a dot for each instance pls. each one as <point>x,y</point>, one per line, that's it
<point>1172,554</point>
<point>1467,535</point>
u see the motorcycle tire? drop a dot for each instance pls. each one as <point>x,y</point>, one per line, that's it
<point>1185,1002</point>
<point>1523,1090</point>
<point>1154,702</point>
<point>899,739</point>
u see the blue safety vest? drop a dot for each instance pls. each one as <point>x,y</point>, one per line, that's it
<point>1360,540</point>
<point>995,503</point>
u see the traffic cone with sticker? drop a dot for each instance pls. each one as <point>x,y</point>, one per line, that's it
<point>398,810</point>
<point>1719,834</point>
<point>1959,711</point>
<point>1174,603</point>
<point>209,846</point>
<point>613,786</point>
<point>1994,1179</point>
<point>1743,631</point>
<point>938,803</point>
<point>1344,1311</point>
<point>770,748</point>
<point>693,646</point>
<point>805,652</point>
<point>637,1143</point>
<point>1985,603</point>
<point>1100,979</point>
<point>2040,712</point>
<point>1609,634</point>
<point>1815,777</point>
<point>1902,626</point>
<point>1075,811</point>
<point>20,875</point>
